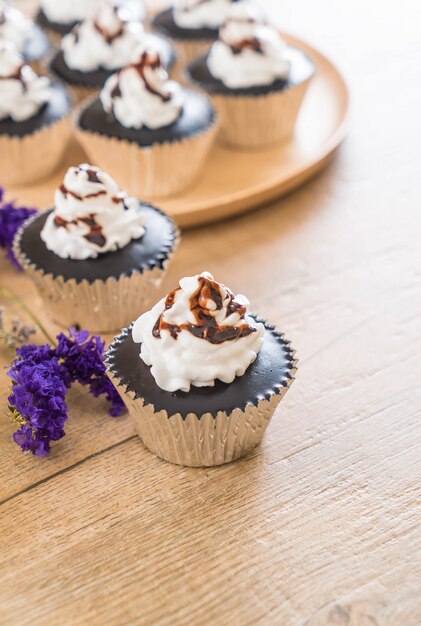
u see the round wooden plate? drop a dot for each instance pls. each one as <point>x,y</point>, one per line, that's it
<point>236,181</point>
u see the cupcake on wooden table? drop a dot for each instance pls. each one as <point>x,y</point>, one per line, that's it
<point>99,255</point>
<point>102,44</point>
<point>201,377</point>
<point>34,120</point>
<point>146,130</point>
<point>59,17</point>
<point>192,25</point>
<point>28,39</point>
<point>256,81</point>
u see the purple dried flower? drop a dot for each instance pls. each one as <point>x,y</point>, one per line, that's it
<point>38,399</point>
<point>41,377</point>
<point>11,219</point>
<point>83,357</point>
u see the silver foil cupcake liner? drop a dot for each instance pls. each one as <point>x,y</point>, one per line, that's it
<point>155,171</point>
<point>102,306</point>
<point>203,440</point>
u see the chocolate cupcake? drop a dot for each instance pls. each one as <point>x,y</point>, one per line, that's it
<point>200,376</point>
<point>255,80</point>
<point>146,130</point>
<point>34,121</point>
<point>192,26</point>
<point>59,17</point>
<point>28,38</point>
<point>99,255</point>
<point>103,43</point>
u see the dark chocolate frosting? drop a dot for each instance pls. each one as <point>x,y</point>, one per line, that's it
<point>56,108</point>
<point>151,250</point>
<point>197,116</point>
<point>199,73</point>
<point>57,27</point>
<point>97,78</point>
<point>273,369</point>
<point>164,23</point>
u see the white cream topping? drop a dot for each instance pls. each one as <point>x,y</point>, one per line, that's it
<point>248,53</point>
<point>141,94</point>
<point>22,92</point>
<point>14,26</point>
<point>68,11</point>
<point>198,334</point>
<point>108,39</point>
<point>91,216</point>
<point>201,13</point>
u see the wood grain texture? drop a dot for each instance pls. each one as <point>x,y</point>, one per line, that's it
<point>320,525</point>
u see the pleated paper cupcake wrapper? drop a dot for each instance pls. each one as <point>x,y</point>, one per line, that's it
<point>153,171</point>
<point>186,51</point>
<point>256,121</point>
<point>201,440</point>
<point>33,156</point>
<point>103,306</point>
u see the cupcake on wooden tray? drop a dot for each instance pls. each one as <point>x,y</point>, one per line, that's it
<point>34,121</point>
<point>99,256</point>
<point>146,130</point>
<point>192,25</point>
<point>256,81</point>
<point>200,376</point>
<point>102,44</point>
<point>28,38</point>
<point>59,17</point>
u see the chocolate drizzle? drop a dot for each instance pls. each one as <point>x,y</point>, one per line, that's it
<point>94,235</point>
<point>17,75</point>
<point>146,60</point>
<point>111,37</point>
<point>206,326</point>
<point>247,44</point>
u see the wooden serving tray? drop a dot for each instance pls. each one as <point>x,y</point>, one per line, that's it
<point>236,181</point>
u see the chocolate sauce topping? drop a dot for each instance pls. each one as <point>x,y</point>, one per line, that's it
<point>95,234</point>
<point>17,75</point>
<point>111,37</point>
<point>206,326</point>
<point>145,61</point>
<point>252,44</point>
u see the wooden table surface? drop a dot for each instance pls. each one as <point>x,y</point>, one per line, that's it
<point>318,526</point>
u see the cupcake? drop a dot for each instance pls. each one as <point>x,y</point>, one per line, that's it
<point>192,25</point>
<point>256,81</point>
<point>28,38</point>
<point>146,130</point>
<point>34,121</point>
<point>103,43</point>
<point>99,255</point>
<point>59,17</point>
<point>200,376</point>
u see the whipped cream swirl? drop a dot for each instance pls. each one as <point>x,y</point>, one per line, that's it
<point>22,92</point>
<point>91,216</point>
<point>201,13</point>
<point>249,53</point>
<point>14,26</point>
<point>68,11</point>
<point>108,39</point>
<point>198,334</point>
<point>141,94</point>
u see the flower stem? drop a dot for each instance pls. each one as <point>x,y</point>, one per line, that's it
<point>21,304</point>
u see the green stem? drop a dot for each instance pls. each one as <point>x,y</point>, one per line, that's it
<point>21,304</point>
